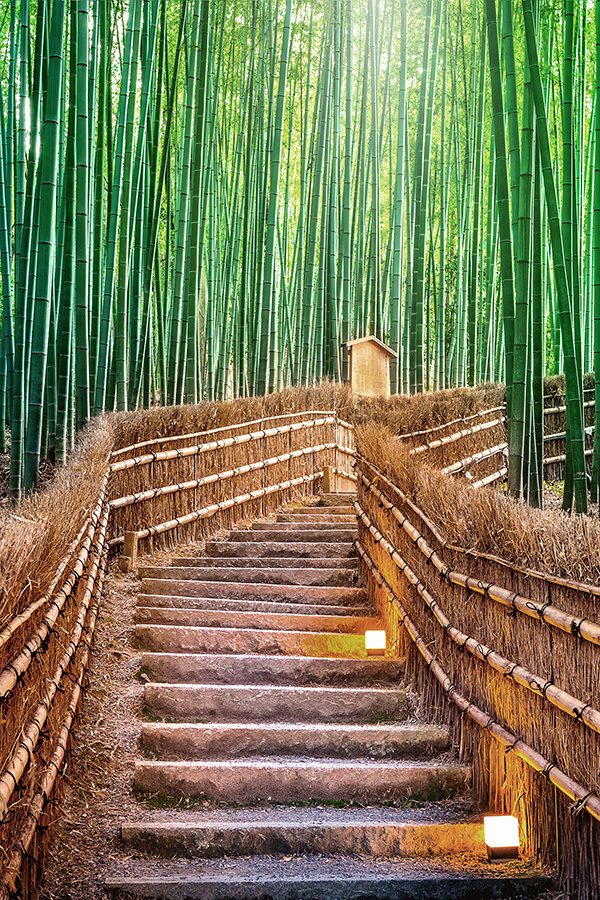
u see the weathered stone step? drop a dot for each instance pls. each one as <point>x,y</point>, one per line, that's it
<point>338,741</point>
<point>276,549</point>
<point>213,618</point>
<point>241,590</point>
<point>181,668</point>
<point>271,703</point>
<point>182,639</point>
<point>315,878</point>
<point>312,519</point>
<point>218,603</point>
<point>335,499</point>
<point>334,577</point>
<point>380,833</point>
<point>276,533</point>
<point>319,511</point>
<point>292,780</point>
<point>265,562</point>
<point>325,525</point>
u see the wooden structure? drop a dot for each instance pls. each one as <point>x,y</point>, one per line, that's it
<point>369,366</point>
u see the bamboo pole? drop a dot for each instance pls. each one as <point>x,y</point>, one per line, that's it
<point>10,875</point>
<point>198,434</point>
<point>88,526</point>
<point>208,511</point>
<point>591,589</point>
<point>16,668</point>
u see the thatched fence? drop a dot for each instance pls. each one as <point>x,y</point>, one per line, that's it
<point>488,599</point>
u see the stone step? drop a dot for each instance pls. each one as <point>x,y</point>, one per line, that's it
<point>331,577</point>
<point>381,833</point>
<point>289,779</point>
<point>316,878</point>
<point>335,499</point>
<point>161,615</point>
<point>182,639</point>
<point>277,549</point>
<point>218,603</point>
<point>265,562</point>
<point>205,668</point>
<point>271,703</point>
<point>325,525</point>
<point>338,741</point>
<point>314,519</point>
<point>319,511</point>
<point>241,590</point>
<point>276,533</point>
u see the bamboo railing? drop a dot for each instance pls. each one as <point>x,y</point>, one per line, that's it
<point>507,656</point>
<point>172,489</point>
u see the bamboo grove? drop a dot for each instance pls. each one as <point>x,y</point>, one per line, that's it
<point>204,199</point>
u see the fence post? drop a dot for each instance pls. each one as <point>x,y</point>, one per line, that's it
<point>328,480</point>
<point>129,557</point>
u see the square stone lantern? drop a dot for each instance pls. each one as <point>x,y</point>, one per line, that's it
<point>369,366</point>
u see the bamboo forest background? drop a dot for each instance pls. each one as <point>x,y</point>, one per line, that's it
<point>207,198</point>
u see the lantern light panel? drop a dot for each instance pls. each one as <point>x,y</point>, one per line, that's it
<point>501,834</point>
<point>375,642</point>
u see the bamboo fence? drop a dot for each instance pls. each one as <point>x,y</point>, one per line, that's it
<point>515,652</point>
<point>196,488</point>
<point>514,649</point>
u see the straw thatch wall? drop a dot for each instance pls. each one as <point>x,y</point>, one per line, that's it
<point>518,649</point>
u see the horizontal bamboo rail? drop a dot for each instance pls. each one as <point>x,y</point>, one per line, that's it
<point>17,667</point>
<point>582,798</point>
<point>477,415</point>
<point>452,438</point>
<point>214,508</point>
<point>176,438</point>
<point>572,706</point>
<point>591,589</point>
<point>151,494</point>
<point>10,875</point>
<point>475,458</point>
<point>577,626</point>
<point>489,479</point>
<point>197,449</point>
<point>21,618</point>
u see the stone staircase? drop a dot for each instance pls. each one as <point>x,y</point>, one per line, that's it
<point>277,759</point>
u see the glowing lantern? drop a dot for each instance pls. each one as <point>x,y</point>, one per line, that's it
<point>375,643</point>
<point>501,837</point>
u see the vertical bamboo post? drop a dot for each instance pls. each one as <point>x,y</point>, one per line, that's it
<point>129,557</point>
